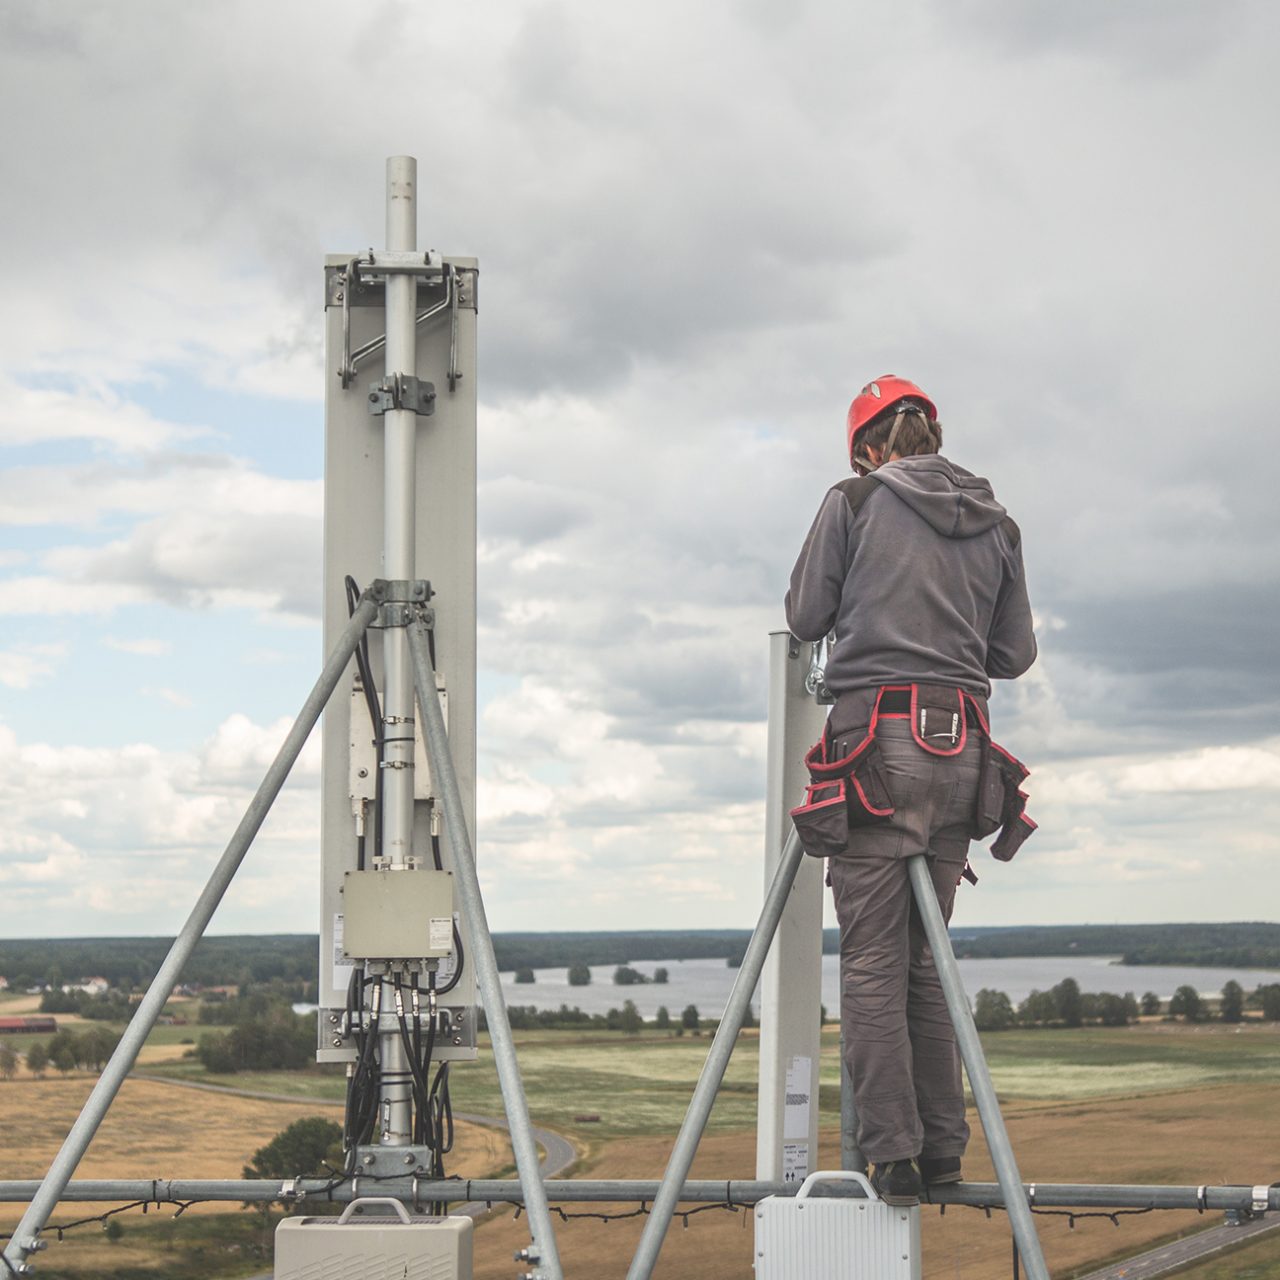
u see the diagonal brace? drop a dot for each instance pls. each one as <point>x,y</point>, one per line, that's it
<point>704,1094</point>
<point>975,1065</point>
<point>25,1239</point>
<point>542,1252</point>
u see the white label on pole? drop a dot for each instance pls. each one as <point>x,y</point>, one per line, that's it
<point>449,963</point>
<point>440,933</point>
<point>795,1161</point>
<point>341,969</point>
<point>795,1107</point>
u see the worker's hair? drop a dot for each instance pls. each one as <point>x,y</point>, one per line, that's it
<point>918,434</point>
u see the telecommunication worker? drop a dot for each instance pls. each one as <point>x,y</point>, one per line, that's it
<point>917,570</point>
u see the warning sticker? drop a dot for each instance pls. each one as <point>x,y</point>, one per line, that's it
<point>795,1108</point>
<point>795,1161</point>
<point>440,933</point>
<point>342,968</point>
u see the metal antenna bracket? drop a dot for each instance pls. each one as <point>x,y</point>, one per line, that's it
<point>402,391</point>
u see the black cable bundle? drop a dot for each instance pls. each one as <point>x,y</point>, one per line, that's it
<point>375,719</point>
<point>432,1106</point>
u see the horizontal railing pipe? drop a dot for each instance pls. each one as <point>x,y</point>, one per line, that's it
<point>1042,1195</point>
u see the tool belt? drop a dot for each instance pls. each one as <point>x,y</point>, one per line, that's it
<point>849,789</point>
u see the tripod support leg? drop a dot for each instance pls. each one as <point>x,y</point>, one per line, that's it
<point>975,1065</point>
<point>704,1094</point>
<point>26,1237</point>
<point>542,1252</point>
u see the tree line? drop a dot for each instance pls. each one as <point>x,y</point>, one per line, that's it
<point>1067,1006</point>
<point>129,964</point>
<point>628,1019</point>
<point>64,1051</point>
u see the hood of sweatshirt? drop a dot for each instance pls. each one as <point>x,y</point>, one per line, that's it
<point>954,501</point>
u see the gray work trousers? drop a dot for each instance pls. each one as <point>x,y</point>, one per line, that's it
<point>899,1043</point>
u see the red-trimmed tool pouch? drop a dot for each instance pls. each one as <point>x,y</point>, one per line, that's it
<point>937,719</point>
<point>842,793</point>
<point>1001,803</point>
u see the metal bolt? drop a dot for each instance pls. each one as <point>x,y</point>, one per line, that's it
<point>33,1244</point>
<point>368,1161</point>
<point>337,1042</point>
<point>339,295</point>
<point>373,397</point>
<point>364,773</point>
<point>457,1039</point>
<point>408,1159</point>
<point>522,1255</point>
<point>333,1019</point>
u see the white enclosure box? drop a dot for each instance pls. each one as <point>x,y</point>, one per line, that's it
<point>397,1246</point>
<point>805,1237</point>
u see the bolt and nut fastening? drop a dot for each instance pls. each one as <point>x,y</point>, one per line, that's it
<point>408,1159</point>
<point>337,1042</point>
<point>368,1160</point>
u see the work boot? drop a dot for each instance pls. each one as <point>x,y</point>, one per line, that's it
<point>940,1169</point>
<point>897,1182</point>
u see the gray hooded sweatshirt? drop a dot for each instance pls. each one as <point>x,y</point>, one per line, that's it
<point>918,570</point>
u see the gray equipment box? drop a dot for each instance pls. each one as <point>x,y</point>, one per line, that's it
<point>399,914</point>
<point>400,1246</point>
<point>819,1238</point>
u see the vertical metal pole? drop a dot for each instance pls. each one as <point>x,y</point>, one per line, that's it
<point>851,1156</point>
<point>400,427</point>
<point>99,1101</point>
<point>975,1064</point>
<point>791,986</point>
<point>542,1252</point>
<point>704,1094</point>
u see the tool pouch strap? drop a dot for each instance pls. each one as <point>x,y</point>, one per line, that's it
<point>1001,804</point>
<point>844,792</point>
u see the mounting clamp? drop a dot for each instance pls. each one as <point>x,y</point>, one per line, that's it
<point>402,391</point>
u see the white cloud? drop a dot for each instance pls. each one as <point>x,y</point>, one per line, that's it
<point>1208,769</point>
<point>25,665</point>
<point>38,416</point>
<point>201,525</point>
<point>174,697</point>
<point>137,829</point>
<point>143,646</point>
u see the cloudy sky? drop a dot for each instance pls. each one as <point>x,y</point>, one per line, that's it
<point>701,228</point>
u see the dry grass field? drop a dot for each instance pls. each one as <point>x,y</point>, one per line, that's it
<point>1205,1135</point>
<point>162,1131</point>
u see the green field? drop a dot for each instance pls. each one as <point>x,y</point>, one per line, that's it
<point>641,1084</point>
<point>1257,1260</point>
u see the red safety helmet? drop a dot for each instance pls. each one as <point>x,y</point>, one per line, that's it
<point>878,396</point>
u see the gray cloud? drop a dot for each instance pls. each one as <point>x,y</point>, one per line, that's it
<point>693,250</point>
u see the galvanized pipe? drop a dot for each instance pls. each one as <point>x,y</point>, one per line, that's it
<point>400,428</point>
<point>50,1189</point>
<point>851,1156</point>
<point>1048,1195</point>
<point>704,1094</point>
<point>975,1063</point>
<point>542,1252</point>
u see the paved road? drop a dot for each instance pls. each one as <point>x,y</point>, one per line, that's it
<point>1168,1257</point>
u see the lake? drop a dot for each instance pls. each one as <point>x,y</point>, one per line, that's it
<point>706,983</point>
